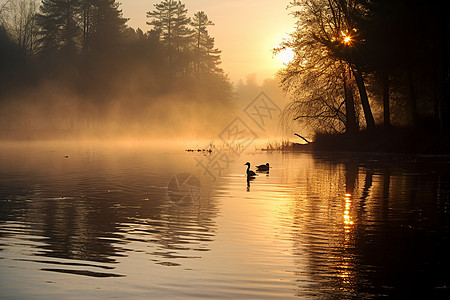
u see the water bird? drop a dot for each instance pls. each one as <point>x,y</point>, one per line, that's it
<point>250,173</point>
<point>263,168</point>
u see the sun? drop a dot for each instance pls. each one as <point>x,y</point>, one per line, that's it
<point>286,56</point>
<point>347,40</point>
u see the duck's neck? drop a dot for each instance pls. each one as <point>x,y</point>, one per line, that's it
<point>248,167</point>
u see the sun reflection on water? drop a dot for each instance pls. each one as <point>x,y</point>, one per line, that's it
<point>346,265</point>
<point>347,218</point>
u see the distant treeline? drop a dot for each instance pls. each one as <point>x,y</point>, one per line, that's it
<point>362,64</point>
<point>74,67</point>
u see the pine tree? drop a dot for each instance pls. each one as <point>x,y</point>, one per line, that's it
<point>87,7</point>
<point>58,21</point>
<point>163,22</point>
<point>170,24</point>
<point>207,57</point>
<point>102,24</point>
<point>108,25</point>
<point>181,31</point>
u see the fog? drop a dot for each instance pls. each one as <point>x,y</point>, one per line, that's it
<point>48,111</point>
<point>118,83</point>
<point>52,112</point>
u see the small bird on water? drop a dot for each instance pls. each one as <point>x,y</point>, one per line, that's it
<point>263,167</point>
<point>250,173</point>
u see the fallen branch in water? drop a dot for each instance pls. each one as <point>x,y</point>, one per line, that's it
<point>301,137</point>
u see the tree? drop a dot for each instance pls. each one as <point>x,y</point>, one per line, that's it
<point>12,57</point>
<point>170,24</point>
<point>406,55</point>
<point>351,124</point>
<point>87,7</point>
<point>207,57</point>
<point>337,31</point>
<point>58,21</point>
<point>324,42</point>
<point>19,19</point>
<point>163,20</point>
<point>181,31</point>
<point>107,25</point>
<point>102,25</point>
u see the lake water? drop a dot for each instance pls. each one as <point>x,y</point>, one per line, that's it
<point>142,222</point>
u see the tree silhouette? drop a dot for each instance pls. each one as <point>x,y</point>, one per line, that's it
<point>170,24</point>
<point>391,59</point>
<point>207,57</point>
<point>19,18</point>
<point>326,58</point>
<point>107,25</point>
<point>97,75</point>
<point>58,21</point>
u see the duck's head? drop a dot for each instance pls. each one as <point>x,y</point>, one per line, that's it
<point>267,164</point>
<point>247,164</point>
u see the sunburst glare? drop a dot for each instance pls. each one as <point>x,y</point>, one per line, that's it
<point>286,56</point>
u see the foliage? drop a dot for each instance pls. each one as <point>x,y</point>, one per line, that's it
<point>95,75</point>
<point>315,77</point>
<point>401,66</point>
<point>207,58</point>
<point>58,26</point>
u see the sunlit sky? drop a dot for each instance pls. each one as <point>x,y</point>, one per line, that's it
<point>245,30</point>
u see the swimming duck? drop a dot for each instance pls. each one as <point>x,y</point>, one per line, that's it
<point>263,167</point>
<point>250,173</point>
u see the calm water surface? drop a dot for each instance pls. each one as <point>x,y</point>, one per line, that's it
<point>115,222</point>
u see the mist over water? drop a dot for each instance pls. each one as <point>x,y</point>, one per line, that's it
<point>64,116</point>
<point>50,112</point>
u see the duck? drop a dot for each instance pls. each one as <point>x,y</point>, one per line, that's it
<point>250,173</point>
<point>263,167</point>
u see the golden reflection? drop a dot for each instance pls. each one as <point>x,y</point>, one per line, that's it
<point>347,219</point>
<point>346,265</point>
<point>248,183</point>
<point>346,274</point>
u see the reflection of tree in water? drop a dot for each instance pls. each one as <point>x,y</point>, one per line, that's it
<point>366,228</point>
<point>313,219</point>
<point>98,217</point>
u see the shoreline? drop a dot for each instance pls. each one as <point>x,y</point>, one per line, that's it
<point>379,140</point>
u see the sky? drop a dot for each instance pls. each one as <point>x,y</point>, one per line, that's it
<point>245,31</point>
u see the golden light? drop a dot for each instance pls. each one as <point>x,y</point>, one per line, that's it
<point>347,219</point>
<point>286,55</point>
<point>347,39</point>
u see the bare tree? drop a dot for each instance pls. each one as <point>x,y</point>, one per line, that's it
<point>4,5</point>
<point>19,19</point>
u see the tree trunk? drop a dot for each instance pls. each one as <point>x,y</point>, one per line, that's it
<point>350,124</point>
<point>386,110</point>
<point>364,99</point>
<point>351,174</point>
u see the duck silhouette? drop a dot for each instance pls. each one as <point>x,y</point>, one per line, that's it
<point>250,173</point>
<point>262,168</point>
